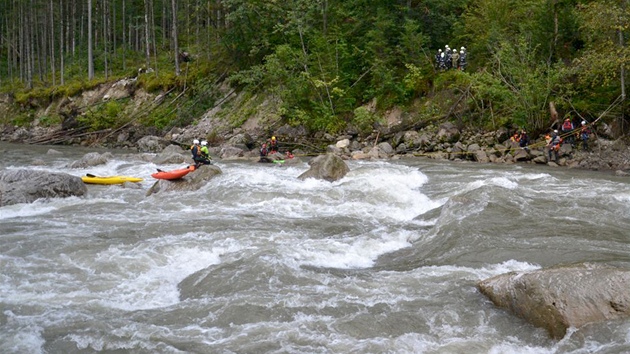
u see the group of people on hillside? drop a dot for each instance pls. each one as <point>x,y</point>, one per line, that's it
<point>451,59</point>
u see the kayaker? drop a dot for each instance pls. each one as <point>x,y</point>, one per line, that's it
<point>204,151</point>
<point>263,153</point>
<point>263,150</point>
<point>197,154</point>
<point>273,145</point>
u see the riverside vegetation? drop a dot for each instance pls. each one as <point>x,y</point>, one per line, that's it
<point>317,73</point>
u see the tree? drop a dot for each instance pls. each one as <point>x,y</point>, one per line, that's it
<point>175,43</point>
<point>90,50</point>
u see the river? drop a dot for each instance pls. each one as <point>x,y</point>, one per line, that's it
<point>385,260</point>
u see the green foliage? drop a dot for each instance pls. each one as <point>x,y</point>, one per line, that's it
<point>50,120</point>
<point>604,55</point>
<point>364,120</point>
<point>321,61</point>
<point>519,87</point>
<point>103,116</point>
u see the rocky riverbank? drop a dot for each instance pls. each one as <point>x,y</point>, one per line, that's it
<point>444,141</point>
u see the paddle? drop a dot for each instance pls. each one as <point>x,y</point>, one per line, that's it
<point>89,175</point>
<point>159,170</point>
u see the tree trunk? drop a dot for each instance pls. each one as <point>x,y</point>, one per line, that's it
<point>175,43</point>
<point>61,37</point>
<point>52,43</point>
<point>146,34</point>
<point>90,54</point>
<point>124,30</point>
<point>105,41</point>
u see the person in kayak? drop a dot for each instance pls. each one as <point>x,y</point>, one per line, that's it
<point>264,151</point>
<point>273,145</point>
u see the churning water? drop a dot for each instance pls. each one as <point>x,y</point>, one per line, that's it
<point>383,261</point>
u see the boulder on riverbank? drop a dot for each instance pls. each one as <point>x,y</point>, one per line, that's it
<point>26,186</point>
<point>328,167</point>
<point>562,297</point>
<point>191,182</point>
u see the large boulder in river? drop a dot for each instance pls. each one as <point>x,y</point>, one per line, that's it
<point>329,167</point>
<point>173,154</point>
<point>191,182</point>
<point>26,186</point>
<point>152,144</point>
<point>91,159</point>
<point>562,297</point>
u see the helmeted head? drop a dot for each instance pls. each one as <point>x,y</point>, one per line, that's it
<point>583,122</point>
<point>196,142</point>
<point>439,50</point>
<point>273,138</point>
<point>204,143</point>
<point>461,52</point>
<point>462,48</point>
<point>555,131</point>
<point>446,46</point>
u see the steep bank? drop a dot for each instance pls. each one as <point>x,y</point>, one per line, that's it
<point>239,123</point>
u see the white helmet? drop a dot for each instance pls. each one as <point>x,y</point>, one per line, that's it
<point>462,48</point>
<point>195,141</point>
<point>204,143</point>
<point>446,46</point>
<point>583,122</point>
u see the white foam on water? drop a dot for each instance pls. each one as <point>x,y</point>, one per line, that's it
<point>18,338</point>
<point>506,267</point>
<point>23,210</point>
<point>150,272</point>
<point>519,348</point>
<point>348,253</point>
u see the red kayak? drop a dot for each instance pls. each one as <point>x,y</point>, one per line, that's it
<point>173,174</point>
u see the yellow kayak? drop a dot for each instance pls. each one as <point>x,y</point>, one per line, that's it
<point>91,179</point>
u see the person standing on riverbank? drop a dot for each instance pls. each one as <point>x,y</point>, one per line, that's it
<point>554,144</point>
<point>567,130</point>
<point>585,133</point>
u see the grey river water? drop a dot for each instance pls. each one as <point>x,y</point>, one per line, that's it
<point>383,261</point>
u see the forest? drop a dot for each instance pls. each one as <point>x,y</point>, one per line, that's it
<point>328,64</point>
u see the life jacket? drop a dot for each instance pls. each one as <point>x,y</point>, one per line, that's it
<point>196,151</point>
<point>567,125</point>
<point>556,142</point>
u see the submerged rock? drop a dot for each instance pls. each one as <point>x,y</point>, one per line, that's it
<point>26,186</point>
<point>558,298</point>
